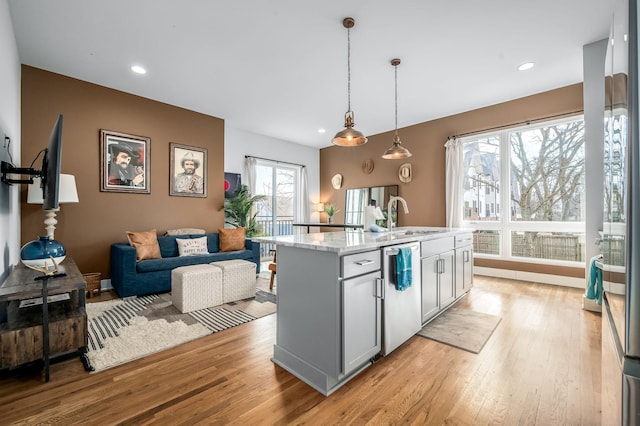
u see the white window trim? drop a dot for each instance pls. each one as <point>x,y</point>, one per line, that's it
<point>505,225</point>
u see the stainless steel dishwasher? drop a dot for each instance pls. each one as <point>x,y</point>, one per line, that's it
<point>401,310</point>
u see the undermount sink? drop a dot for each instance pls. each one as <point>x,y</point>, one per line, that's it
<point>414,232</point>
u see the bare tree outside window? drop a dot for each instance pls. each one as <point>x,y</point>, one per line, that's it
<point>547,171</point>
<point>541,172</point>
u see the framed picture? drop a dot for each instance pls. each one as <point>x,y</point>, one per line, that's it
<point>188,171</point>
<point>231,183</point>
<point>125,161</point>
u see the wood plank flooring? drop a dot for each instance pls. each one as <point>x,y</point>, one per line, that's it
<point>540,367</point>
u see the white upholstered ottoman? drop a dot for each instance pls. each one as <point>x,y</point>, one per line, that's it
<point>196,287</point>
<point>238,279</point>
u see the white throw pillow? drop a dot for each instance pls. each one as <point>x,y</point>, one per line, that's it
<point>192,246</point>
<point>185,231</point>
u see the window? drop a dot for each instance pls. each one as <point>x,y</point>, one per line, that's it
<point>280,183</point>
<point>542,167</point>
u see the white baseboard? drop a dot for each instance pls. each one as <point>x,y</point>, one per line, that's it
<point>531,276</point>
<point>105,284</point>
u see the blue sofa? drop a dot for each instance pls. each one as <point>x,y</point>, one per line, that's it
<point>131,278</point>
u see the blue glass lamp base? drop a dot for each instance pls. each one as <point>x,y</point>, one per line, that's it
<point>38,253</point>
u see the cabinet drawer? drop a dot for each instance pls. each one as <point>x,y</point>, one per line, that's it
<point>360,263</point>
<point>437,246</point>
<point>464,239</point>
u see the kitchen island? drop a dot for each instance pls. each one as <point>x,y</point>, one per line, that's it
<point>333,296</point>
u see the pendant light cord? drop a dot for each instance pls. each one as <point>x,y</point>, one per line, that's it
<point>348,69</point>
<point>396,96</point>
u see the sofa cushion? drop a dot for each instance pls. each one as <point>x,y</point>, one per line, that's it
<point>231,239</point>
<point>168,264</point>
<point>169,247</point>
<point>185,231</point>
<point>192,246</point>
<point>145,243</point>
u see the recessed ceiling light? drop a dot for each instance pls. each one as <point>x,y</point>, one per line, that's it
<point>138,69</point>
<point>526,66</point>
<point>321,130</point>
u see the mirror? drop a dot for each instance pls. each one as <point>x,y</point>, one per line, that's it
<point>358,198</point>
<point>614,230</point>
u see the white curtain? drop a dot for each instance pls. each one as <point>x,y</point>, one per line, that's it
<point>305,213</point>
<point>250,173</point>
<point>454,198</point>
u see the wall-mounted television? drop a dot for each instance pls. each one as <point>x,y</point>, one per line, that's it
<point>49,172</point>
<point>51,168</point>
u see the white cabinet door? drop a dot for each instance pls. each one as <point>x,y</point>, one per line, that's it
<point>446,284</point>
<point>467,258</point>
<point>361,320</point>
<point>430,304</point>
<point>464,270</point>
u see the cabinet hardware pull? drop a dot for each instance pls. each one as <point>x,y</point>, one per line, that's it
<point>465,255</point>
<point>364,262</point>
<point>380,283</point>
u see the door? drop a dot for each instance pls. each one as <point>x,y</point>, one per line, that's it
<point>361,320</point>
<point>280,184</point>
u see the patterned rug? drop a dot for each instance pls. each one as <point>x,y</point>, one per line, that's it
<point>126,329</point>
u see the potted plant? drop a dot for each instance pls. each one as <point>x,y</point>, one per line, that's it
<point>330,210</point>
<point>237,210</point>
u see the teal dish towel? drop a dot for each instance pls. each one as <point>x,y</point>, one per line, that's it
<point>403,269</point>
<point>594,285</point>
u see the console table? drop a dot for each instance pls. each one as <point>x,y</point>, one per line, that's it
<point>25,315</point>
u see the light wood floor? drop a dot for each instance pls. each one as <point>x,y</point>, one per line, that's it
<point>540,367</point>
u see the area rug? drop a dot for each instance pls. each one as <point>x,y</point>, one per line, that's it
<point>126,329</point>
<point>461,328</point>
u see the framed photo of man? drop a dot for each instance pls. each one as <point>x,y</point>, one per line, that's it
<point>188,171</point>
<point>125,162</point>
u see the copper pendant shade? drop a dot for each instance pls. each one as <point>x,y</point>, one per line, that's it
<point>396,151</point>
<point>349,136</point>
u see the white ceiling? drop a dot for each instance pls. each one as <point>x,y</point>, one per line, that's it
<point>279,67</point>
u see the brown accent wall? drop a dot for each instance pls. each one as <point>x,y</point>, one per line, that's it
<point>88,228</point>
<point>425,194</point>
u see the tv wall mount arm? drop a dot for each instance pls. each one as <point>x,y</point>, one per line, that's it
<point>9,169</point>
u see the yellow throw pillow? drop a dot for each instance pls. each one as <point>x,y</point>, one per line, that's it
<point>146,244</point>
<point>231,239</point>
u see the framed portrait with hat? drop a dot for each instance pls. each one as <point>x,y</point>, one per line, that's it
<point>188,171</point>
<point>124,162</point>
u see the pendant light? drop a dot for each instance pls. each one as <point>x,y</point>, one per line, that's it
<point>396,151</point>
<point>349,136</point>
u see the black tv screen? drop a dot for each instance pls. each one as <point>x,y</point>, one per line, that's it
<point>51,168</point>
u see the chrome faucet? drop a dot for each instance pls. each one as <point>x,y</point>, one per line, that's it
<point>391,200</point>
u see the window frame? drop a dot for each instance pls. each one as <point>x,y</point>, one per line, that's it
<point>504,225</point>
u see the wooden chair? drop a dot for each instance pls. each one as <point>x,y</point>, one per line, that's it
<point>272,268</point>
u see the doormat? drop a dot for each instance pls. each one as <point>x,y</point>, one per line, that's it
<point>462,329</point>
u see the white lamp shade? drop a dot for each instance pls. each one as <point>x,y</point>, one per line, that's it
<point>320,207</point>
<point>67,192</point>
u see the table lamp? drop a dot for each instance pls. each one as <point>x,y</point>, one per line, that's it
<point>37,254</point>
<point>67,194</point>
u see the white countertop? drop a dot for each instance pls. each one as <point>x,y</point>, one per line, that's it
<point>358,240</point>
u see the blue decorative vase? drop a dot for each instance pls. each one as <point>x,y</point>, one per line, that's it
<point>39,252</point>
